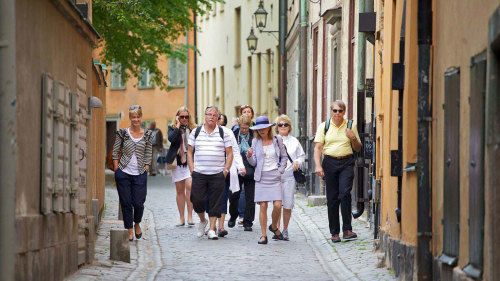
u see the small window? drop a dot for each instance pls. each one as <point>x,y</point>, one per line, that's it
<point>117,82</point>
<point>176,73</point>
<point>145,79</point>
<point>145,124</point>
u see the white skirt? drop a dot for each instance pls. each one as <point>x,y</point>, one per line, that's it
<point>180,173</point>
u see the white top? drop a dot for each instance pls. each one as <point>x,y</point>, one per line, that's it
<point>295,151</point>
<point>132,167</point>
<point>209,155</point>
<point>269,158</point>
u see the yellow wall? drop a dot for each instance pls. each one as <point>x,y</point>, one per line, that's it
<point>386,104</point>
<point>156,104</point>
<point>460,32</point>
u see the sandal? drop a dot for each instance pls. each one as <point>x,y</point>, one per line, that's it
<point>263,241</point>
<point>278,236</point>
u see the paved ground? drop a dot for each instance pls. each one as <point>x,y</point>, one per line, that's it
<point>175,253</point>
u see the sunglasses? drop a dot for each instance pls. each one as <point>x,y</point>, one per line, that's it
<point>337,110</point>
<point>183,117</point>
<point>133,107</point>
<point>283,125</point>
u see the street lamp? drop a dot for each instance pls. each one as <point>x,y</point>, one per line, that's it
<point>252,41</point>
<point>260,16</point>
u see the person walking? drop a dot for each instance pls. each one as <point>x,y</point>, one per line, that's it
<point>210,156</point>
<point>245,110</point>
<point>268,155</point>
<point>244,139</point>
<point>178,133</point>
<point>232,183</point>
<point>157,147</point>
<point>132,156</point>
<point>296,157</point>
<point>336,141</point>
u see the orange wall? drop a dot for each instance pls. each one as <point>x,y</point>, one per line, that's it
<point>156,104</point>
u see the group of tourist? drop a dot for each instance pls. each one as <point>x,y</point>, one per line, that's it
<point>211,165</point>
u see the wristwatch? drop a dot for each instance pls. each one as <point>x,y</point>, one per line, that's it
<point>226,170</point>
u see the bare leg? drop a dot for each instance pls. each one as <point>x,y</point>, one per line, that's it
<point>213,220</point>
<point>188,199</point>
<point>221,221</point>
<point>202,217</point>
<point>181,199</point>
<point>287,213</point>
<point>276,214</point>
<point>263,218</point>
<point>130,233</point>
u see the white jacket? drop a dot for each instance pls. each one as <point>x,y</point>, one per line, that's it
<point>237,164</point>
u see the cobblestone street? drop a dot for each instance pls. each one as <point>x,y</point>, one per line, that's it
<point>175,253</point>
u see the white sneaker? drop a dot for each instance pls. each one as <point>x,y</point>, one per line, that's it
<point>201,228</point>
<point>212,235</point>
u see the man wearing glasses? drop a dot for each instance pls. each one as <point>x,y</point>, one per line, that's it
<point>209,166</point>
<point>337,141</point>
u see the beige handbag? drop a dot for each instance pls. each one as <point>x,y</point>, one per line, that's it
<point>173,165</point>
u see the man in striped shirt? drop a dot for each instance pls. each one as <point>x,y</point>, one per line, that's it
<point>209,169</point>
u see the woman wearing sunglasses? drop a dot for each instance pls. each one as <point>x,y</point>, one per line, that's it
<point>295,154</point>
<point>178,134</point>
<point>268,155</point>
<point>131,168</point>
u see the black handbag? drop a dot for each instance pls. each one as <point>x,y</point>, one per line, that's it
<point>250,170</point>
<point>299,176</point>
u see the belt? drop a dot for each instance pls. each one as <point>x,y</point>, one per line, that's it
<point>339,157</point>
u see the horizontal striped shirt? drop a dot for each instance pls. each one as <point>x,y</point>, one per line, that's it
<point>210,151</point>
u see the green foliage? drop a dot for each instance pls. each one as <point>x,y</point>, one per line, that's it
<point>137,33</point>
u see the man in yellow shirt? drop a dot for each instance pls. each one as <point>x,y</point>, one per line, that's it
<point>337,146</point>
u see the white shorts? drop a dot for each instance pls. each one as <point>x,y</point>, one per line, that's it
<point>180,173</point>
<point>288,189</point>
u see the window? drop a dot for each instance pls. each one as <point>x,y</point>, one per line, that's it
<point>237,37</point>
<point>145,79</point>
<point>145,123</point>
<point>176,73</point>
<point>117,82</point>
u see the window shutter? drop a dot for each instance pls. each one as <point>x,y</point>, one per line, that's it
<point>73,159</point>
<point>47,144</point>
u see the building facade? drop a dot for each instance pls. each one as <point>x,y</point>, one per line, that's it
<point>436,71</point>
<point>228,74</point>
<point>157,104</point>
<point>52,194</point>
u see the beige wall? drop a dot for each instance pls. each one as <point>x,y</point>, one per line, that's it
<point>216,41</point>
<point>47,41</point>
<point>460,32</point>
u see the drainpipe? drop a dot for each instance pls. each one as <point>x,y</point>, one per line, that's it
<point>195,73</point>
<point>186,88</point>
<point>364,6</point>
<point>282,47</point>
<point>8,136</point>
<point>303,74</point>
<point>424,221</point>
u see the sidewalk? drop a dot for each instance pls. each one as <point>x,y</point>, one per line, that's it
<point>347,260</point>
<point>145,257</point>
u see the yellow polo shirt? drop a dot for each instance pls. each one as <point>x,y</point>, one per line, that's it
<point>335,143</point>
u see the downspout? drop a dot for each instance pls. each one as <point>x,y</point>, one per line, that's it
<point>282,47</point>
<point>303,74</point>
<point>186,88</point>
<point>364,6</point>
<point>8,137</point>
<point>424,220</point>
<point>195,72</point>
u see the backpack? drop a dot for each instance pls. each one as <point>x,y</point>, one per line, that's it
<point>327,125</point>
<point>221,133</point>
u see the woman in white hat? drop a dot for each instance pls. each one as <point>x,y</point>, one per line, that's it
<point>268,155</point>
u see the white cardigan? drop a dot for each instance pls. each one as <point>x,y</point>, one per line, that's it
<point>237,164</point>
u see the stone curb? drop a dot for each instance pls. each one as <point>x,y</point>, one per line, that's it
<point>329,259</point>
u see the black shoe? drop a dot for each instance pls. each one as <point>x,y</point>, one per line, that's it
<point>138,236</point>
<point>222,233</point>
<point>262,241</point>
<point>247,228</point>
<point>278,236</point>
<point>231,223</point>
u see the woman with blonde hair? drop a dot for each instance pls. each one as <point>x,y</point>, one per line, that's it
<point>131,169</point>
<point>178,134</point>
<point>268,156</point>
<point>296,157</point>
